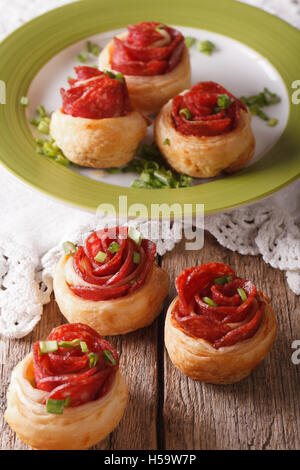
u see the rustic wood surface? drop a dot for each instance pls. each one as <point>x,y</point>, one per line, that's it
<point>167,410</point>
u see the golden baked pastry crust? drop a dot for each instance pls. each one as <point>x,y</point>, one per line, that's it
<point>98,143</point>
<point>116,316</point>
<point>148,94</point>
<point>199,360</point>
<point>204,157</point>
<point>77,428</point>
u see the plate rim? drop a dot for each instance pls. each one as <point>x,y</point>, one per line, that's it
<point>163,195</point>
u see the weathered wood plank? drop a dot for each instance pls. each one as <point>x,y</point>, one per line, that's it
<point>261,412</point>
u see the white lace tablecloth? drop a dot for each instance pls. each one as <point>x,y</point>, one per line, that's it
<point>33,226</point>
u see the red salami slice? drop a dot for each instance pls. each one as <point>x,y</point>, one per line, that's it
<point>119,274</point>
<point>95,95</point>
<point>206,117</point>
<point>217,306</point>
<point>68,371</point>
<point>138,54</point>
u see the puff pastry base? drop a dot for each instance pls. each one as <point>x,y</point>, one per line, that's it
<point>77,428</point>
<point>98,143</point>
<point>204,157</point>
<point>116,316</point>
<point>149,94</point>
<point>197,359</point>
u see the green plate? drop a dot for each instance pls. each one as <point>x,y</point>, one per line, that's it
<point>24,52</point>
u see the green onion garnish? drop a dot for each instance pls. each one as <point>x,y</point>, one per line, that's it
<point>100,256</point>
<point>93,358</point>
<point>242,294</point>
<point>34,121</point>
<point>272,122</point>
<point>82,57</point>
<point>95,50</point>
<point>69,248</point>
<point>41,111</point>
<point>109,73</point>
<point>114,247</point>
<point>209,301</point>
<point>221,280</point>
<point>49,150</point>
<point>67,402</point>
<point>135,235</point>
<point>24,101</point>
<point>83,346</point>
<point>120,77</point>
<point>109,358</point>
<point>223,101</point>
<point>160,26</point>
<point>136,257</point>
<point>47,347</point>
<point>206,47</point>
<point>62,160</point>
<point>189,41</point>
<point>186,113</point>
<point>89,46</point>
<point>69,344</point>
<point>55,406</point>
<point>256,102</point>
<point>43,126</point>
<point>166,142</point>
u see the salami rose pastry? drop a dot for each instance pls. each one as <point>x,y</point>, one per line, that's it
<point>205,131</point>
<point>68,393</point>
<point>96,126</point>
<point>220,327</point>
<point>112,282</point>
<point>154,60</point>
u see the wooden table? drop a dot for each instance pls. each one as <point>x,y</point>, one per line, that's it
<point>166,410</point>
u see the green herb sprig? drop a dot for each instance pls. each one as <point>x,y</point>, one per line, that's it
<point>153,174</point>
<point>256,102</point>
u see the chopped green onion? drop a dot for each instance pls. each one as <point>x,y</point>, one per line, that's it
<point>89,46</point>
<point>114,247</point>
<point>95,50</point>
<point>221,280</point>
<point>166,142</point>
<point>34,121</point>
<point>189,41</point>
<point>67,402</point>
<point>83,346</point>
<point>133,280</point>
<point>120,77</point>
<point>186,112</point>
<point>49,150</point>
<point>242,294</point>
<point>24,101</point>
<point>62,160</point>
<point>223,101</point>
<point>82,57</point>
<point>41,111</point>
<point>135,235</point>
<point>109,358</point>
<point>47,347</point>
<point>206,47</point>
<point>43,127</point>
<point>69,344</point>
<point>100,256</point>
<point>109,73</point>
<point>93,359</point>
<point>69,248</point>
<point>55,406</point>
<point>272,122</point>
<point>136,257</point>
<point>160,26</point>
<point>209,301</point>
<point>39,141</point>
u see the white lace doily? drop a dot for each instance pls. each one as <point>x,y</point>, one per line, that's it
<point>38,223</point>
